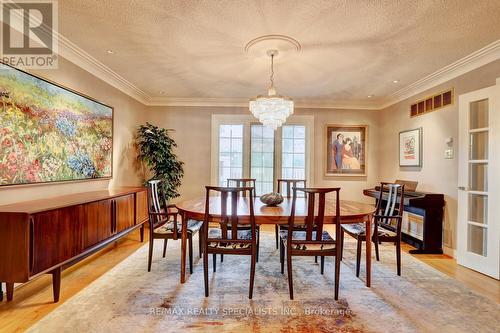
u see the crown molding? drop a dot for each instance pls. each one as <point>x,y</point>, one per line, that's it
<point>481,57</point>
<point>243,102</point>
<point>81,58</point>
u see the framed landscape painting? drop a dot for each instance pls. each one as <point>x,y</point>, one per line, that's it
<point>49,133</point>
<point>346,150</point>
<point>410,148</point>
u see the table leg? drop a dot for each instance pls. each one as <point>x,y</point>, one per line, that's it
<point>368,250</point>
<point>183,247</point>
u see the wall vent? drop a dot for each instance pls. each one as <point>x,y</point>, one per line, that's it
<point>432,103</point>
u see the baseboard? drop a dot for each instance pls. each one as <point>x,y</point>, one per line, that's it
<point>449,251</point>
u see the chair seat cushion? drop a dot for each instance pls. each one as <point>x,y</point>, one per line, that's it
<point>242,234</point>
<point>193,226</point>
<point>301,235</point>
<point>359,229</point>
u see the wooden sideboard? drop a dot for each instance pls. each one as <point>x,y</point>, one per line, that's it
<point>45,236</point>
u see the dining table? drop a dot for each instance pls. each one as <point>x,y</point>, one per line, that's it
<point>350,211</point>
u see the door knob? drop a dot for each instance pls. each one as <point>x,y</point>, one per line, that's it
<point>461,188</point>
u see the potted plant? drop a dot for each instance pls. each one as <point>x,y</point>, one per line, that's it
<point>156,151</point>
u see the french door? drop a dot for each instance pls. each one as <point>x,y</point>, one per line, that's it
<point>478,234</point>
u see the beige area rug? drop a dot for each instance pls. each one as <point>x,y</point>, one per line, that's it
<point>129,299</point>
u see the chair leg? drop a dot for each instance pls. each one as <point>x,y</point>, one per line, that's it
<point>322,264</point>
<point>205,270</point>
<point>165,247</point>
<point>282,257</point>
<point>341,243</point>
<point>376,242</point>
<point>190,241</point>
<point>252,272</point>
<point>337,277</point>
<point>150,254</point>
<point>258,244</point>
<point>398,256</point>
<point>358,257</point>
<point>276,234</point>
<point>215,261</point>
<point>200,241</point>
<point>289,269</point>
<point>221,257</point>
<point>315,259</point>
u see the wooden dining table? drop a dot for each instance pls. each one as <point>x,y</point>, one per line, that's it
<point>350,211</point>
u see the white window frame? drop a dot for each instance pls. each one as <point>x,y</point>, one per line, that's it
<point>246,121</point>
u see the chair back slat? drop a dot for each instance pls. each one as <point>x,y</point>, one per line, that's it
<point>223,214</point>
<point>391,207</point>
<point>289,183</point>
<point>230,196</point>
<point>241,182</point>
<point>310,215</point>
<point>314,222</point>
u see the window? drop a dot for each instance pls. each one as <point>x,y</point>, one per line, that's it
<point>244,148</point>
<point>230,152</point>
<point>262,158</point>
<point>293,155</point>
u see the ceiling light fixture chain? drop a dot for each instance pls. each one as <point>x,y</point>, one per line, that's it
<point>271,110</point>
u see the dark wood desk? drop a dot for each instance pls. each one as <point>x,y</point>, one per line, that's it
<point>45,236</point>
<point>351,212</point>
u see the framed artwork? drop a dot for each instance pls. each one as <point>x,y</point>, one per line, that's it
<point>410,148</point>
<point>346,150</point>
<point>49,133</point>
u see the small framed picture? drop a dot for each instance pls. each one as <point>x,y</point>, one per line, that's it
<point>346,150</point>
<point>410,148</point>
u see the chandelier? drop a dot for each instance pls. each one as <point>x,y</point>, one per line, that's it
<point>271,110</point>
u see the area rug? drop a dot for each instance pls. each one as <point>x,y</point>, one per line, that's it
<point>129,299</point>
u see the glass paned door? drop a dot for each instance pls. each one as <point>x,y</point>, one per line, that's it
<point>477,239</point>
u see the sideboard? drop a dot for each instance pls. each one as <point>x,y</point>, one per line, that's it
<point>45,236</point>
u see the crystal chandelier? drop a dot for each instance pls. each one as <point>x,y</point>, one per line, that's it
<point>273,109</point>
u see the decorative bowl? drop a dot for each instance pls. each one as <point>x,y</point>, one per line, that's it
<point>271,199</point>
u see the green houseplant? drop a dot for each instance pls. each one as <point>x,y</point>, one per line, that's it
<point>156,151</point>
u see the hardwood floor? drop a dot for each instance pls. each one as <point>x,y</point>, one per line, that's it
<point>34,300</point>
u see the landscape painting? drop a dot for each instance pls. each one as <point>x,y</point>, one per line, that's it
<point>49,133</point>
<point>346,150</point>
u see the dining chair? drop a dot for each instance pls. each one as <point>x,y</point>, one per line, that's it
<point>244,182</point>
<point>228,238</point>
<point>163,223</point>
<point>312,242</point>
<point>286,184</point>
<point>387,223</point>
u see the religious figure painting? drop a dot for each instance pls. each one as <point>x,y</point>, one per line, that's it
<point>346,147</point>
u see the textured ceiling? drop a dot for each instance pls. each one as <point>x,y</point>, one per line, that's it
<point>350,49</point>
